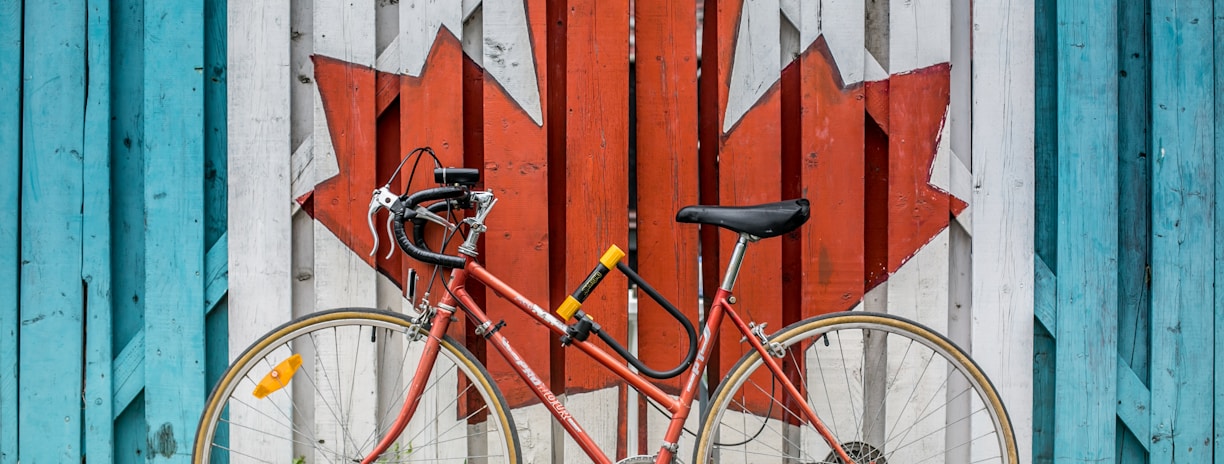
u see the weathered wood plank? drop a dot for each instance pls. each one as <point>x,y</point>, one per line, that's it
<point>1002,205</point>
<point>1087,208</point>
<point>127,379</point>
<point>96,231</point>
<point>1134,410</point>
<point>831,160</point>
<point>345,131</point>
<point>1182,243</point>
<point>128,233</point>
<point>173,109</point>
<point>1218,211</point>
<point>216,177</point>
<point>1134,226</point>
<point>10,189</point>
<point>666,130</point>
<point>596,190</point>
<point>53,106</point>
<point>1045,130</point>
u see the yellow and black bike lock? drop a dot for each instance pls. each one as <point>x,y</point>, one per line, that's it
<point>573,302</point>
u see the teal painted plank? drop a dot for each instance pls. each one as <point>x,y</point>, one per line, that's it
<point>128,379</point>
<point>10,185</point>
<point>1218,441</point>
<point>1045,298</point>
<point>49,402</point>
<point>1133,226</point>
<point>174,232</point>
<point>216,275</point>
<point>1087,235</point>
<point>96,266</point>
<point>1043,395</point>
<point>127,226</point>
<point>1134,404</point>
<point>1045,132</point>
<point>1183,196</point>
<point>215,140</point>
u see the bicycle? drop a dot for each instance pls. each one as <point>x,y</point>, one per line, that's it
<point>794,396</point>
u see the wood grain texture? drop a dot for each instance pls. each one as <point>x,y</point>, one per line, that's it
<point>831,162</point>
<point>52,143</point>
<point>515,165</point>
<point>1045,175</point>
<point>1002,205</point>
<point>1183,197</point>
<point>666,129</point>
<point>1086,359</point>
<point>98,439</point>
<point>259,150</point>
<point>596,186</point>
<point>174,199</point>
<point>10,247</point>
<point>1134,210</point>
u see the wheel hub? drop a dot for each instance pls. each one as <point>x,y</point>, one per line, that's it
<point>859,452</point>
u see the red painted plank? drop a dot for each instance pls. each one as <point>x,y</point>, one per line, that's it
<point>832,166</point>
<point>430,117</point>
<point>596,168</point>
<point>666,52</point>
<point>749,173</point>
<point>516,249</point>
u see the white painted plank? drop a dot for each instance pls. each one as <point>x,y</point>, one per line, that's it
<point>344,31</point>
<point>919,34</point>
<point>508,55</point>
<point>420,22</point>
<point>1003,205</point>
<point>260,227</point>
<point>755,66</point>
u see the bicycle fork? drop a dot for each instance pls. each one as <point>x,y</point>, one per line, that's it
<point>437,330</point>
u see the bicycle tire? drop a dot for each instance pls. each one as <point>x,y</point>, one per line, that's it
<point>750,419</point>
<point>463,416</point>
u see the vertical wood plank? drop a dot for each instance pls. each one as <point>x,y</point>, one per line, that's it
<point>128,232</point>
<point>259,150</point>
<point>516,166</point>
<point>831,156</point>
<point>596,184</point>
<point>1002,205</point>
<point>666,105</point>
<point>49,412</point>
<point>1134,209</point>
<point>1218,210</point>
<point>96,262</point>
<point>216,176</point>
<point>1045,149</point>
<point>174,198</point>
<point>10,189</point>
<point>1183,195</point>
<point>749,168</point>
<point>344,143</point>
<point>1087,210</point>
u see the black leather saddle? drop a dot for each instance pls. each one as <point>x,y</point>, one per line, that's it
<point>767,220</point>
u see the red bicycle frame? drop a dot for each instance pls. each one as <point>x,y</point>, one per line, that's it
<point>679,408</point>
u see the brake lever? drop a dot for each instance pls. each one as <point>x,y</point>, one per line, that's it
<point>381,198</point>
<point>428,215</point>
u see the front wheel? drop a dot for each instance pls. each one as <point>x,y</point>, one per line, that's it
<point>889,390</point>
<point>325,388</point>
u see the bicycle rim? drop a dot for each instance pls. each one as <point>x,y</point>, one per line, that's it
<point>889,390</point>
<point>326,387</point>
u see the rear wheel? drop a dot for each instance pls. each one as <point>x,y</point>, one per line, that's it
<point>326,387</point>
<point>889,390</point>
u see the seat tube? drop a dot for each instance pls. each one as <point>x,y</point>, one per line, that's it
<point>737,258</point>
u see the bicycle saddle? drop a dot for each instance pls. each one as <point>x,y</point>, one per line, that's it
<point>766,220</point>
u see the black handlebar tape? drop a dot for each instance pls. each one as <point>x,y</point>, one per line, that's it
<point>409,203</point>
<point>418,224</point>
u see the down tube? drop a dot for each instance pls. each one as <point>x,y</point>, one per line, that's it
<point>538,386</point>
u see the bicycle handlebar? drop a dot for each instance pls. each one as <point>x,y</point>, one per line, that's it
<point>405,210</point>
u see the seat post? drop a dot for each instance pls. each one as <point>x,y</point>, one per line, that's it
<point>737,258</point>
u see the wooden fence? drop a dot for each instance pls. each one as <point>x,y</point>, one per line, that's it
<point>113,238</point>
<point>915,149</point>
<point>1128,357</point>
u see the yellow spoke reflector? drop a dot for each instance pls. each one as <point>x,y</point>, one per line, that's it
<point>279,377</point>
